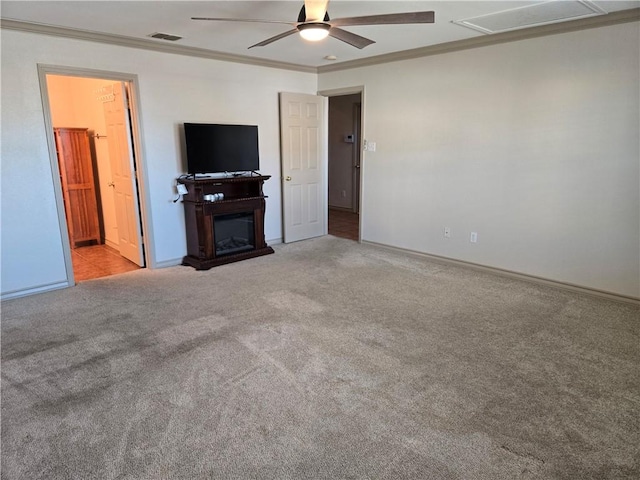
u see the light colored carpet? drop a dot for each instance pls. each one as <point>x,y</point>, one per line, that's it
<point>326,360</point>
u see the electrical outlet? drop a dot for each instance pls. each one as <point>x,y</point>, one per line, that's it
<point>372,146</point>
<point>182,189</point>
<point>447,232</point>
<point>474,237</point>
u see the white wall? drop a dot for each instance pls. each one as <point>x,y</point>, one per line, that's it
<point>173,89</point>
<point>533,144</point>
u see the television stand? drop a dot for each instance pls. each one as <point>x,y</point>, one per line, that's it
<point>227,230</point>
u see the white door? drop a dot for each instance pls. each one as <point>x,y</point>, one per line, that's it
<point>123,175</point>
<point>304,160</point>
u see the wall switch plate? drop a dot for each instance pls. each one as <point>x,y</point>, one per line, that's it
<point>474,237</point>
<point>447,232</point>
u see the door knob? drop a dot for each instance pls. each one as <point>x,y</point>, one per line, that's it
<point>287,178</point>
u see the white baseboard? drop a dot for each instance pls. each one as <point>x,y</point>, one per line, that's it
<point>341,209</point>
<point>34,290</point>
<point>521,276</point>
<point>167,263</point>
<point>111,244</point>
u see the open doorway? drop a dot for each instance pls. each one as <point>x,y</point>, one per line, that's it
<point>92,128</point>
<point>345,114</point>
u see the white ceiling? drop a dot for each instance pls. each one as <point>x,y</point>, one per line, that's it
<point>139,19</point>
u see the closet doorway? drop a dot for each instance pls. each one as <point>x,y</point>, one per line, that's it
<point>92,126</point>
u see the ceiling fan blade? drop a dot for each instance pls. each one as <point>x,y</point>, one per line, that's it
<point>273,39</point>
<point>386,19</point>
<point>242,20</point>
<point>350,38</point>
<point>315,10</point>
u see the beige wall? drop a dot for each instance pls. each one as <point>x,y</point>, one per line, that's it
<point>74,102</point>
<point>531,144</point>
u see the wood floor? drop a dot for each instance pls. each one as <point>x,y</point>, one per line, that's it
<point>98,261</point>
<point>343,224</point>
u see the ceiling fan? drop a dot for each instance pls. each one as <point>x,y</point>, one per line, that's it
<point>314,24</point>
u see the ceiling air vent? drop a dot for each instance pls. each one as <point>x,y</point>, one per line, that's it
<point>165,36</point>
<point>532,16</point>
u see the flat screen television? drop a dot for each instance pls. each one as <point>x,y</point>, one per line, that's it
<point>217,148</point>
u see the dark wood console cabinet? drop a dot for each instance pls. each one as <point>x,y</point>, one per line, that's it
<point>227,230</point>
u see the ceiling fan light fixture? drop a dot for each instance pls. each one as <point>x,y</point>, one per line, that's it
<point>314,32</point>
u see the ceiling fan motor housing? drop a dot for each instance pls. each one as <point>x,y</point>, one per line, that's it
<point>302,16</point>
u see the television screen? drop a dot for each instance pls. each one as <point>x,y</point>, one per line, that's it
<point>214,148</point>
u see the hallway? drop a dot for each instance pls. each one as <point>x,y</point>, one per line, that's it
<point>343,224</point>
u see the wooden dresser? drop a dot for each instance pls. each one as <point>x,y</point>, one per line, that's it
<point>78,185</point>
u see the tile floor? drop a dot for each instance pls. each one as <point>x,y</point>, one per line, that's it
<point>343,224</point>
<point>98,261</point>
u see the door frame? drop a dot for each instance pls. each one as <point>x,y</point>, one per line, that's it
<point>138,151</point>
<point>357,157</point>
<point>337,92</point>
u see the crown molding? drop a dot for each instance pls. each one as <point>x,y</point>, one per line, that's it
<point>145,44</point>
<point>614,18</point>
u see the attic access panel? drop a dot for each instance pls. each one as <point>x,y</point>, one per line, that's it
<point>531,16</point>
